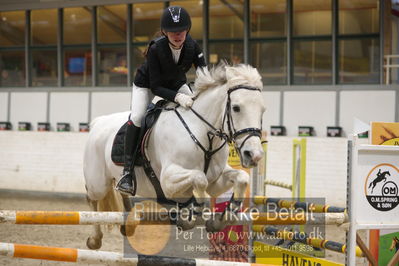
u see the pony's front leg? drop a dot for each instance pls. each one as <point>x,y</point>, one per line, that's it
<point>239,180</point>
<point>230,177</point>
<point>178,183</point>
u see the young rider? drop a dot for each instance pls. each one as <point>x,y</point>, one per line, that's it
<point>163,74</point>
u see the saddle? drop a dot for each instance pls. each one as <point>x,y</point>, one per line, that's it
<point>118,146</point>
<point>117,152</point>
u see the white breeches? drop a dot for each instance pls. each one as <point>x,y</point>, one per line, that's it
<point>141,98</point>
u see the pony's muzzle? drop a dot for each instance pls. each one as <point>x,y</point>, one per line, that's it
<point>251,157</point>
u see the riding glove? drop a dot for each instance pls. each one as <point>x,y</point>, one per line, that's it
<point>184,100</point>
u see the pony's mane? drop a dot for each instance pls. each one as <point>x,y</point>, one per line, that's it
<point>223,73</point>
<point>210,78</point>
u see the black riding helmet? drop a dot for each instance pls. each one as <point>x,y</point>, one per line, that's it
<point>175,19</point>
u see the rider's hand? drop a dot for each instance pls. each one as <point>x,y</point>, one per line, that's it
<point>184,100</point>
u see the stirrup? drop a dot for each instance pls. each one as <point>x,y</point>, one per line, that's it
<point>130,191</point>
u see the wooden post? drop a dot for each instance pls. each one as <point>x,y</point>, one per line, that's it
<point>365,251</point>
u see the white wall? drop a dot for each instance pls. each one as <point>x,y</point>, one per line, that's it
<point>104,103</point>
<point>42,161</point>
<point>69,107</point>
<point>28,107</point>
<point>272,115</point>
<point>309,108</point>
<point>301,108</point>
<point>367,106</point>
<point>3,106</point>
<point>326,167</point>
<point>53,162</point>
<point>395,48</point>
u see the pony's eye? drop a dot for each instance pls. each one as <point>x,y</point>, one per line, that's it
<point>236,108</point>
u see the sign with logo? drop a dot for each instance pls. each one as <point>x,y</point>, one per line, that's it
<point>375,186</point>
<point>381,187</point>
<point>373,190</point>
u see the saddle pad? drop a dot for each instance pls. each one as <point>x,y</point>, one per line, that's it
<point>118,146</point>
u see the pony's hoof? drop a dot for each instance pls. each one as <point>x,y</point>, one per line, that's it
<point>185,224</point>
<point>127,230</point>
<point>213,226</point>
<point>122,229</point>
<point>215,223</point>
<point>93,243</point>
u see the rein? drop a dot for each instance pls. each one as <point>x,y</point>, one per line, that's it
<point>233,133</point>
<point>208,153</point>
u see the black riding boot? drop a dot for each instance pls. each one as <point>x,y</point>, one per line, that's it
<point>126,185</point>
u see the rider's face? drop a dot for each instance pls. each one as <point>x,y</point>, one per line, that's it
<point>176,38</point>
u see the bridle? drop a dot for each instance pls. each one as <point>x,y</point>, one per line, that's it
<point>232,135</point>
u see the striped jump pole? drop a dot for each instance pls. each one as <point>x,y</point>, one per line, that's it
<point>304,239</point>
<point>121,218</point>
<point>278,184</point>
<point>282,218</point>
<point>82,218</point>
<point>62,217</point>
<point>103,257</point>
<point>306,206</point>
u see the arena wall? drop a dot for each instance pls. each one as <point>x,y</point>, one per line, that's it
<point>53,162</point>
<point>42,161</point>
<point>291,106</point>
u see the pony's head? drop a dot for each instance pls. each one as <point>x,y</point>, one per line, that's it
<point>247,108</point>
<point>242,120</point>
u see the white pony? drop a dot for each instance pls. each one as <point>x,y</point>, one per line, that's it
<point>187,148</point>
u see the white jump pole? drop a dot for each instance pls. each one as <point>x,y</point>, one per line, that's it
<point>121,218</point>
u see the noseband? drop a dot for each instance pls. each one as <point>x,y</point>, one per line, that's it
<point>232,135</point>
